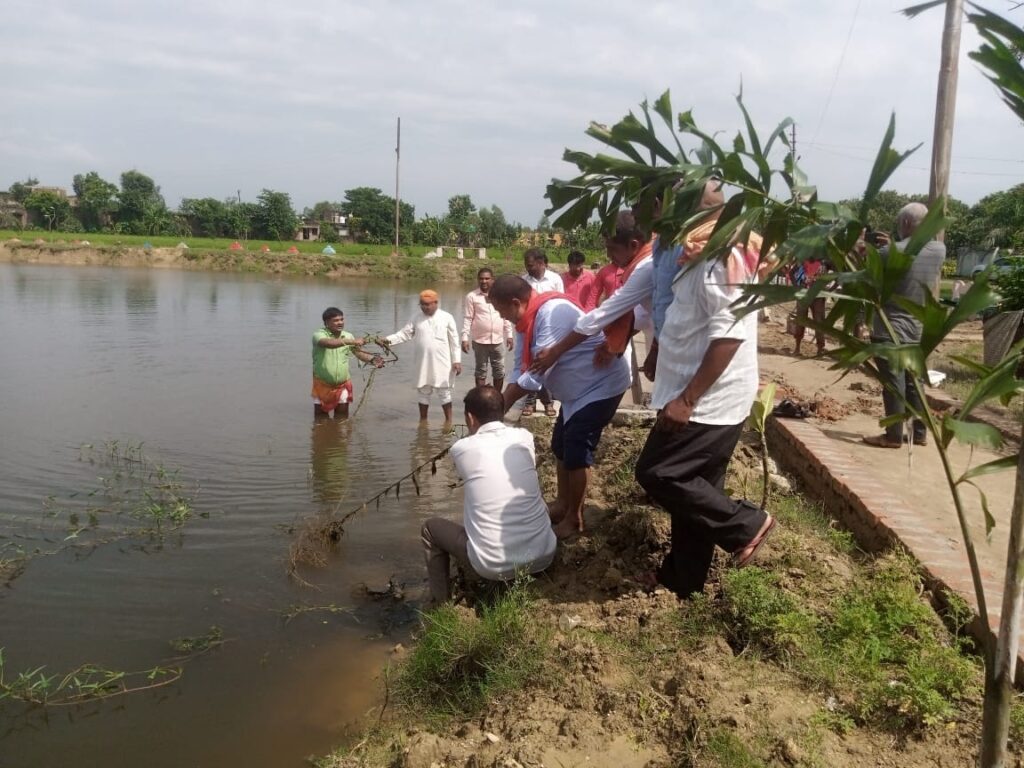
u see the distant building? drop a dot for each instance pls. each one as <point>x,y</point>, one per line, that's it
<point>12,211</point>
<point>311,229</point>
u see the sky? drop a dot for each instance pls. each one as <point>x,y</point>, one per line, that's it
<point>214,98</point>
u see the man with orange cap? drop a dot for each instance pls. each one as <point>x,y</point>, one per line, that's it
<point>437,354</point>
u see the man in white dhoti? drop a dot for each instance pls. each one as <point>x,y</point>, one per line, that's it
<point>436,354</point>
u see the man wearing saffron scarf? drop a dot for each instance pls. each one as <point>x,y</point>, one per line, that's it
<point>589,395</point>
<point>706,379</point>
<point>436,354</point>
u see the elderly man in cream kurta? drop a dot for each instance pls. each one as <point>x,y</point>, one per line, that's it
<point>436,353</point>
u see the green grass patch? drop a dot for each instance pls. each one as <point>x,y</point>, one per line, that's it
<point>727,751</point>
<point>879,648</point>
<point>462,660</point>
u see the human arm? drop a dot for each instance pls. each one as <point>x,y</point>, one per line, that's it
<point>637,289</point>
<point>509,338</point>
<point>404,334</point>
<point>332,342</point>
<point>650,366</point>
<point>511,394</point>
<point>548,356</point>
<point>366,357</point>
<point>676,414</point>
<point>453,344</point>
<point>467,320</point>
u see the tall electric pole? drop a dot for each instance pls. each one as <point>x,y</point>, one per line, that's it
<point>792,157</point>
<point>945,103</point>
<point>398,158</point>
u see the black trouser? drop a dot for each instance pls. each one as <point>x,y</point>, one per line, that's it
<point>897,387</point>
<point>684,472</point>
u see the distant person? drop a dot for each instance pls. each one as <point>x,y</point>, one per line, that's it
<point>803,276</point>
<point>436,354</point>
<point>505,526</point>
<point>580,283</point>
<point>589,395</point>
<point>332,348</point>
<point>542,280</point>
<point>483,328</point>
<point>608,279</point>
<point>898,386</point>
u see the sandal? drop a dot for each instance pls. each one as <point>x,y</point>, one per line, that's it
<point>549,410</point>
<point>881,441</point>
<point>527,411</point>
<point>742,557</point>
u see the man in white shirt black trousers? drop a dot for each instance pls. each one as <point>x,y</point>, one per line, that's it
<point>707,378</point>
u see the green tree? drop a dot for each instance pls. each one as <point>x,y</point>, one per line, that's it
<point>886,206</point>
<point>373,216</point>
<point>96,201</point>
<point>430,230</point>
<point>141,203</point>
<point>494,228</point>
<point>997,220</point>
<point>275,218</point>
<point>206,217</point>
<point>20,190</point>
<point>48,208</point>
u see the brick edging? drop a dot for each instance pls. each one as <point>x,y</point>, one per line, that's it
<point>878,518</point>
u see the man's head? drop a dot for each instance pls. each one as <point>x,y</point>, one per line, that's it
<point>510,295</point>
<point>483,405</point>
<point>428,301</point>
<point>909,219</point>
<point>485,279</point>
<point>536,263</point>
<point>334,320</point>
<point>577,263</point>
<point>626,241</point>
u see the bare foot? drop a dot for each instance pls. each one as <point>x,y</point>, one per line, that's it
<point>447,428</point>
<point>568,528</point>
<point>556,511</point>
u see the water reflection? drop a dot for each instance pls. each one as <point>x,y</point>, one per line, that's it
<point>329,445</point>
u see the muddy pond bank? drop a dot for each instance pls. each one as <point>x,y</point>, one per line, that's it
<point>413,268</point>
<point>769,668</point>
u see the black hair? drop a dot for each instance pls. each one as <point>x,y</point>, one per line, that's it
<point>484,270</point>
<point>536,254</point>
<point>508,287</point>
<point>332,312</point>
<point>485,404</point>
<point>576,257</point>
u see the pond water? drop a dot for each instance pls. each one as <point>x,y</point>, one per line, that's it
<point>210,373</point>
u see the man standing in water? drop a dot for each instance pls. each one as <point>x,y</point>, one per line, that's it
<point>489,334</point>
<point>332,348</point>
<point>436,354</point>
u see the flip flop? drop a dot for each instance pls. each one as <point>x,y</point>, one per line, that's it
<point>881,441</point>
<point>549,410</point>
<point>743,556</point>
<point>527,411</point>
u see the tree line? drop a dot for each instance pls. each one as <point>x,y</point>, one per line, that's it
<point>136,207</point>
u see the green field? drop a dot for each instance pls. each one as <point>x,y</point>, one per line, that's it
<point>108,240</point>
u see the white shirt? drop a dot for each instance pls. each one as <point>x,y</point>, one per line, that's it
<point>549,281</point>
<point>436,347</point>
<point>506,519</point>
<point>574,379</point>
<point>636,291</point>
<point>699,314</point>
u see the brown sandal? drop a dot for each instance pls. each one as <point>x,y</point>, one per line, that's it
<point>549,410</point>
<point>881,441</point>
<point>743,556</point>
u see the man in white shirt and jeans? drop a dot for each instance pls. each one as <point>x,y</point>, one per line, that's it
<point>506,529</point>
<point>707,379</point>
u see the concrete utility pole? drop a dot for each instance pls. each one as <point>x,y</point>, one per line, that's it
<point>945,103</point>
<point>398,157</point>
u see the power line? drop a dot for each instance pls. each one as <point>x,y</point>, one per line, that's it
<point>918,167</point>
<point>839,66</point>
<point>823,144</point>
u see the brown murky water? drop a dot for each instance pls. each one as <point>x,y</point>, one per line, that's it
<point>210,373</point>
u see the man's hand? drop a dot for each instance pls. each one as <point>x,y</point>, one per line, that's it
<point>465,347</point>
<point>543,360</point>
<point>509,343</point>
<point>457,367</point>
<point>650,365</point>
<point>674,416</point>
<point>357,342</point>
<point>383,342</point>
<point>378,361</point>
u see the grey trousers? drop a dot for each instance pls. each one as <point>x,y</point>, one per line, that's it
<point>442,540</point>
